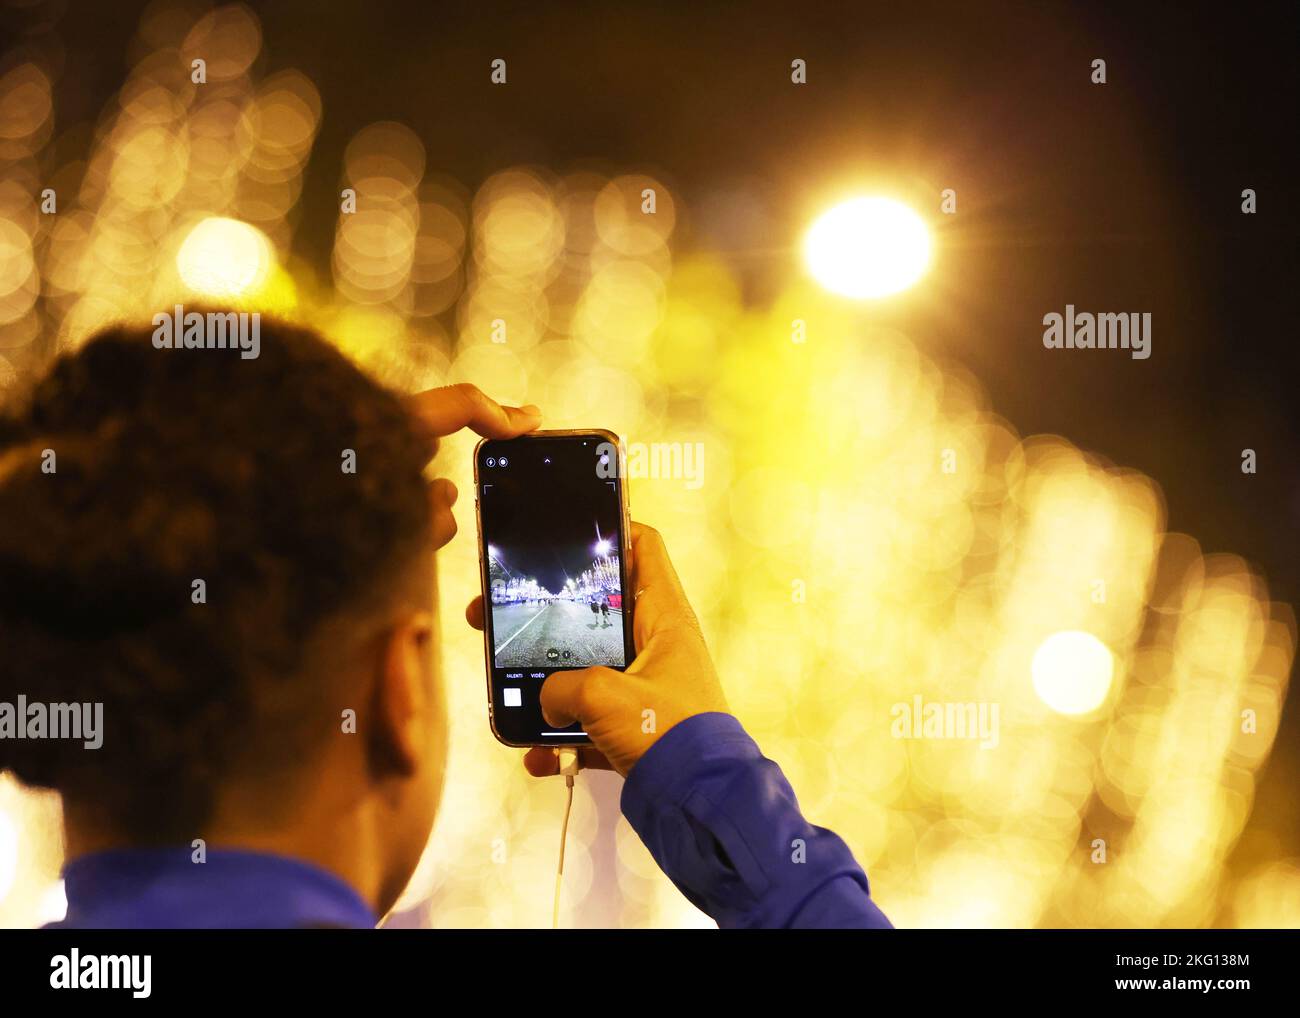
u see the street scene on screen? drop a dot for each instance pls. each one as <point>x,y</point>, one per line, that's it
<point>563,609</point>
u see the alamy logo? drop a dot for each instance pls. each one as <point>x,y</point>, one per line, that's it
<point>75,971</point>
<point>179,329</point>
<point>1085,331</point>
<point>944,720</point>
<point>669,461</point>
<point>25,720</point>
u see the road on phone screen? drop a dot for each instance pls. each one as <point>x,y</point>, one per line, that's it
<point>524,634</point>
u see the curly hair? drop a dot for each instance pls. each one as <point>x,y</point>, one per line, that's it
<point>172,466</point>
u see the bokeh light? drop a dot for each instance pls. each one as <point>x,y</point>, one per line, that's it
<point>868,247</point>
<point>223,257</point>
<point>1072,672</point>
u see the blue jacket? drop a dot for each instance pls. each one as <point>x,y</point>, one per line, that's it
<point>718,817</point>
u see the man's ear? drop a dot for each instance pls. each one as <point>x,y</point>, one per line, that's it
<point>402,696</point>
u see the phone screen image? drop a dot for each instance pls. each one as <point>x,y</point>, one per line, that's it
<point>552,544</point>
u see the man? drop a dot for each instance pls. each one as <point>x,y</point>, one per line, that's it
<point>235,558</point>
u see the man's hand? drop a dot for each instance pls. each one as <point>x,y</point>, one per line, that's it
<point>671,679</point>
<point>444,411</point>
<point>441,412</point>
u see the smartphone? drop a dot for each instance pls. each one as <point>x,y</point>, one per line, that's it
<point>554,542</point>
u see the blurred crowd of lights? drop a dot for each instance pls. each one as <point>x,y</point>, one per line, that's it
<point>869,530</point>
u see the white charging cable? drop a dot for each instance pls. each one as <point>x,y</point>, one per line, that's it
<point>568,756</point>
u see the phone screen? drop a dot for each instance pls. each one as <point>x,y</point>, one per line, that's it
<point>553,548</point>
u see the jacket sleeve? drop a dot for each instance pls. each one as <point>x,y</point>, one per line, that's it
<point>721,820</point>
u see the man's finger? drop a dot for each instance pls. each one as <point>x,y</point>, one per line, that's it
<point>445,411</point>
<point>443,492</point>
<point>442,496</point>
<point>474,612</point>
<point>542,761</point>
<point>566,694</point>
<point>657,592</point>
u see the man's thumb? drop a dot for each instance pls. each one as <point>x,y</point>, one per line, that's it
<point>565,695</point>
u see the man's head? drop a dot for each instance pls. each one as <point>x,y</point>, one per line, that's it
<point>233,556</point>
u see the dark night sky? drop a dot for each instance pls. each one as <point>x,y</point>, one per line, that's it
<point>542,518</point>
<point>1120,197</point>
